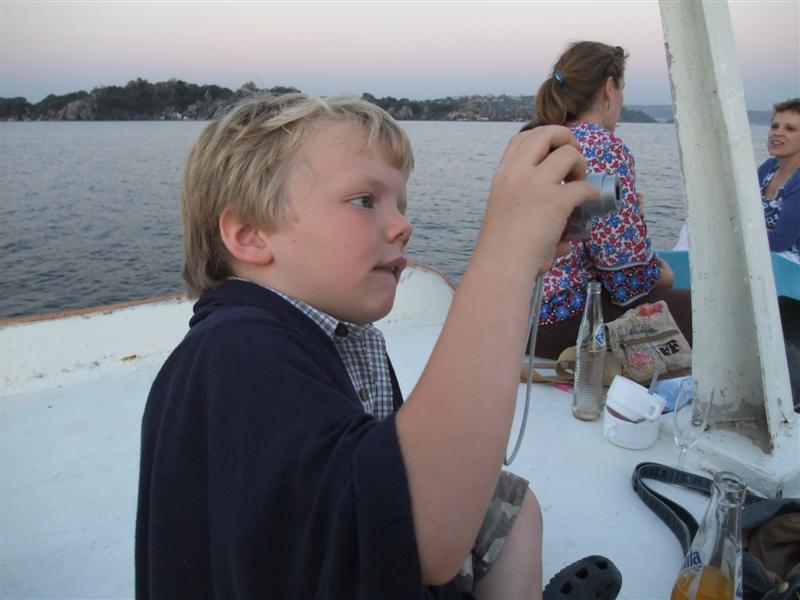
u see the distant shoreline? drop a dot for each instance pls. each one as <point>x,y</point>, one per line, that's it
<point>176,100</point>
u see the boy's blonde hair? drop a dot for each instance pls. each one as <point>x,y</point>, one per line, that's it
<point>242,160</point>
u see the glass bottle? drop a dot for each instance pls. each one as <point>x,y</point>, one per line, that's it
<point>712,570</point>
<point>587,397</point>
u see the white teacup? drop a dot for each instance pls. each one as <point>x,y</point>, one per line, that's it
<point>632,415</point>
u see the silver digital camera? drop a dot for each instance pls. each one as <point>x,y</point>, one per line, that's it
<point>579,225</point>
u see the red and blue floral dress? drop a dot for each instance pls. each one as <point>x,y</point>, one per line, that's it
<point>618,253</point>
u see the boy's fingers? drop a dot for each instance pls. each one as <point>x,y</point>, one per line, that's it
<point>578,192</point>
<point>566,163</point>
<point>534,145</point>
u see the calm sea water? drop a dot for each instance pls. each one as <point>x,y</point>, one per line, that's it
<point>89,211</point>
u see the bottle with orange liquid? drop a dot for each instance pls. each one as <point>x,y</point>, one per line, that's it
<point>712,570</point>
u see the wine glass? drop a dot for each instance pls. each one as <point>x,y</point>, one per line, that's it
<point>690,417</point>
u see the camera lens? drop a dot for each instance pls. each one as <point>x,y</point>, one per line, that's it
<point>609,195</point>
<point>579,224</point>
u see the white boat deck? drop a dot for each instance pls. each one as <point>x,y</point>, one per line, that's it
<point>69,452</point>
<point>583,483</point>
<point>69,461</point>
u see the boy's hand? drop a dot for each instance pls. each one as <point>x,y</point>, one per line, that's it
<point>528,201</point>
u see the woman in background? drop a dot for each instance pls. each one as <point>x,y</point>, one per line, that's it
<point>779,180</point>
<point>585,93</point>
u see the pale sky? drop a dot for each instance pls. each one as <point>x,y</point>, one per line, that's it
<point>418,50</point>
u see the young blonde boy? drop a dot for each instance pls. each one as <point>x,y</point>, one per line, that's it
<point>278,460</point>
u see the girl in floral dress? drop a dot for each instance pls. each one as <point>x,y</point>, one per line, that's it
<point>585,93</point>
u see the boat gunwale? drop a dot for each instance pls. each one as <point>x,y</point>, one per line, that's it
<point>105,308</point>
<point>89,310</point>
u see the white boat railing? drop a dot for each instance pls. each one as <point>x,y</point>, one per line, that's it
<point>738,343</point>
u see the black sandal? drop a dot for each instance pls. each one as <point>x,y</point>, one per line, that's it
<point>590,578</point>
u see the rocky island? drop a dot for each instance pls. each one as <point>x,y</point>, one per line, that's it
<point>141,100</point>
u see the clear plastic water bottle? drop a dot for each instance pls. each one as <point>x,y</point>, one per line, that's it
<point>587,398</point>
<point>712,570</point>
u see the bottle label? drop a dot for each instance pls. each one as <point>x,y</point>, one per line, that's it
<point>692,560</point>
<point>600,336</point>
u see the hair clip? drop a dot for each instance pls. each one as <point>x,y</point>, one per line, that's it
<point>558,77</point>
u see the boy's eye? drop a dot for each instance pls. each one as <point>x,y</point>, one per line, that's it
<point>364,201</point>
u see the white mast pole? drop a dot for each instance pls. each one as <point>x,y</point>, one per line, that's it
<point>738,343</point>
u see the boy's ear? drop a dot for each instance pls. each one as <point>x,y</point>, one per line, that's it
<point>246,243</point>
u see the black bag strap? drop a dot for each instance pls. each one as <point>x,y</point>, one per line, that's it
<point>683,524</point>
<point>680,521</point>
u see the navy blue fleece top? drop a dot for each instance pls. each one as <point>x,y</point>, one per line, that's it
<point>784,233</point>
<point>261,475</point>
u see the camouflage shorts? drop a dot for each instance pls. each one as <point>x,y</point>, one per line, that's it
<point>500,517</point>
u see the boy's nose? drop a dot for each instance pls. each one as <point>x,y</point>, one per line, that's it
<point>400,229</point>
